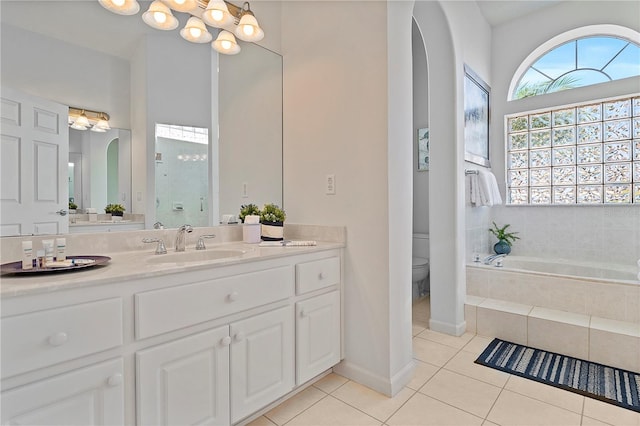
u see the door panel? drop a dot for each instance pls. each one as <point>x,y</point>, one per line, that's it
<point>262,361</point>
<point>317,335</point>
<point>35,153</point>
<point>185,382</point>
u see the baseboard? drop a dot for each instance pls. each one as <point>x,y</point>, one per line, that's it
<point>402,378</point>
<point>385,386</point>
<point>444,327</point>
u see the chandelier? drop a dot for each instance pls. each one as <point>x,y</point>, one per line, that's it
<point>233,21</point>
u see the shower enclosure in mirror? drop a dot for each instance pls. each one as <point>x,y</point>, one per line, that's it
<point>182,175</point>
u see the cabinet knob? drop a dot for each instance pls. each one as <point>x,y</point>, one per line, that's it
<point>233,296</point>
<point>115,380</point>
<point>321,276</point>
<point>225,341</point>
<point>302,313</point>
<point>239,336</point>
<point>58,339</point>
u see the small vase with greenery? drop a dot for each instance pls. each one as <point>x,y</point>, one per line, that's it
<point>248,210</point>
<point>272,219</point>
<point>505,239</point>
<point>73,207</point>
<point>115,209</point>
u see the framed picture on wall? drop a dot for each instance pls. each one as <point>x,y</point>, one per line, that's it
<point>423,150</point>
<point>476,118</point>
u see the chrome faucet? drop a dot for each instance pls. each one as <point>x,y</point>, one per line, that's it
<point>489,259</point>
<point>180,237</point>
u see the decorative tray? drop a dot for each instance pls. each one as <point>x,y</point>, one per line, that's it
<point>16,267</point>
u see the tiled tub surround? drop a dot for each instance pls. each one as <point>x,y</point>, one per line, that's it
<point>588,318</point>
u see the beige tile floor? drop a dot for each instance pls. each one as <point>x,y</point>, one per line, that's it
<point>447,389</point>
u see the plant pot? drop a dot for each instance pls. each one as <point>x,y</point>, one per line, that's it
<point>116,214</point>
<point>272,231</point>
<point>502,247</point>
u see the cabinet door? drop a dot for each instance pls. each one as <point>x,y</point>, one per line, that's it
<point>317,335</point>
<point>89,396</point>
<point>186,381</point>
<point>262,357</point>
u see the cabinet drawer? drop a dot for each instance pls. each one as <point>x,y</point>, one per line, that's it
<point>44,338</point>
<point>160,311</point>
<point>317,274</point>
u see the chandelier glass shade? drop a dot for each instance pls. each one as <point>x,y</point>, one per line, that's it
<point>233,21</point>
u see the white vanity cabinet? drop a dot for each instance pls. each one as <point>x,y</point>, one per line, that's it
<point>185,381</point>
<point>212,345</point>
<point>92,395</point>
<point>318,337</point>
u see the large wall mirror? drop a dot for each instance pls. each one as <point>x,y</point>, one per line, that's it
<point>78,54</point>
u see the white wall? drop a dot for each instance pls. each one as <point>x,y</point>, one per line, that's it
<point>604,233</point>
<point>332,126</point>
<point>65,73</point>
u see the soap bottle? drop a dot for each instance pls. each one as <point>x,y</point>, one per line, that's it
<point>27,255</point>
<point>47,245</point>
<point>61,248</point>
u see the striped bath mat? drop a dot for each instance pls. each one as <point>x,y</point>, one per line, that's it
<point>608,384</point>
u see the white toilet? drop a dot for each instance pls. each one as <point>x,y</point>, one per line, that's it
<point>420,262</point>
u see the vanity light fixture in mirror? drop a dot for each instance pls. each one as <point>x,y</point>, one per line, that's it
<point>83,119</point>
<point>233,21</point>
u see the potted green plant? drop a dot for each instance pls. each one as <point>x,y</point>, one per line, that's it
<point>272,219</point>
<point>115,209</point>
<point>248,210</point>
<point>505,239</point>
<point>73,207</point>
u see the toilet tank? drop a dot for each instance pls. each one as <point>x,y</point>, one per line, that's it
<point>421,245</point>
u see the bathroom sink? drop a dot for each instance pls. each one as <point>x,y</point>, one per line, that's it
<point>196,256</point>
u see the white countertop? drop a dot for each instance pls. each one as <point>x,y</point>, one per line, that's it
<point>139,264</point>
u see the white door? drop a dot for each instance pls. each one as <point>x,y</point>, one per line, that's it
<point>34,157</point>
<point>317,335</point>
<point>262,357</point>
<point>185,382</point>
<point>88,396</point>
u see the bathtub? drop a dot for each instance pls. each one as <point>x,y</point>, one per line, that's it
<point>571,268</point>
<point>591,288</point>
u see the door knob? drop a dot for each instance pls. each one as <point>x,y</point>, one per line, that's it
<point>225,341</point>
<point>62,212</point>
<point>233,296</point>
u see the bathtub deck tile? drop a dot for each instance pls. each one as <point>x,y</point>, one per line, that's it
<point>559,336</point>
<point>506,306</point>
<point>613,326</point>
<point>474,300</point>
<point>572,318</point>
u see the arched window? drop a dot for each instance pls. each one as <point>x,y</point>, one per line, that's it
<point>581,61</point>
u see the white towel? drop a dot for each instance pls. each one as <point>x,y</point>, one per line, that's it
<point>474,190</point>
<point>484,189</point>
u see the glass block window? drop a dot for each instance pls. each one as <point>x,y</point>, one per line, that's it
<point>585,154</point>
<point>577,63</point>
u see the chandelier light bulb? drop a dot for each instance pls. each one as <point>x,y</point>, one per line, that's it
<point>248,28</point>
<point>195,31</point>
<point>226,43</point>
<point>159,17</point>
<point>121,7</point>
<point>217,14</point>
